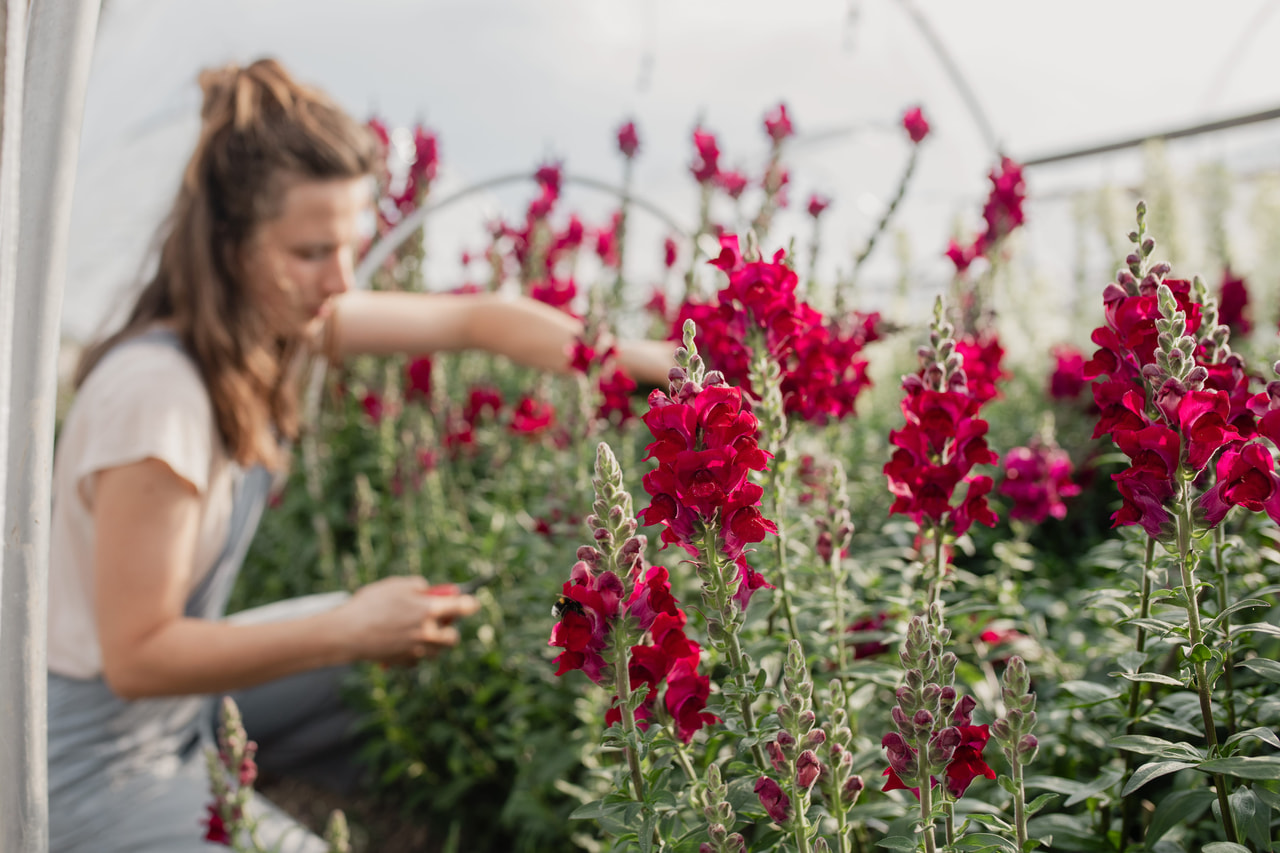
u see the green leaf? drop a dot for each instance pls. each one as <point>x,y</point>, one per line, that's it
<point>1141,744</point>
<point>1245,767</point>
<point>1178,807</point>
<point>1199,653</point>
<point>1148,678</point>
<point>898,842</point>
<point>1253,816</point>
<point>1269,793</point>
<point>1008,784</point>
<point>1040,802</point>
<point>1245,604</point>
<point>1092,789</point>
<point>984,842</point>
<point>1224,847</point>
<point>1268,669</point>
<point>1262,734</point>
<point>1089,693</point>
<point>1256,628</point>
<point>1153,770</point>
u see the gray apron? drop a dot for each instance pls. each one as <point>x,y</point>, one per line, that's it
<point>130,776</point>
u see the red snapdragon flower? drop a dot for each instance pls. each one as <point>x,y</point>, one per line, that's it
<point>615,391</point>
<point>733,182</point>
<point>778,124</point>
<point>1247,478</point>
<point>558,293</point>
<point>707,159</point>
<point>670,252</point>
<point>982,357</point>
<point>776,803</point>
<point>628,140</point>
<point>583,629</point>
<point>373,407</point>
<point>532,417</point>
<point>418,376</point>
<point>818,204</point>
<point>914,123</point>
<point>870,648</point>
<point>217,828</point>
<point>1067,379</point>
<point>1233,303</point>
<point>937,448</point>
<point>1036,479</point>
<point>481,401</point>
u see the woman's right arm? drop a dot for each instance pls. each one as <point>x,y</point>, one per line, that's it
<point>146,519</point>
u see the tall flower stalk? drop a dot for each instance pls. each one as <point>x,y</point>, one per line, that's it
<point>1013,733</point>
<point>702,496</point>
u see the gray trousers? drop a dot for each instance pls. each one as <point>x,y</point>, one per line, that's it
<point>130,777</point>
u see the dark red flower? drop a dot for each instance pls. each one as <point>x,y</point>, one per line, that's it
<point>913,122</point>
<point>818,204</point>
<point>558,293</point>
<point>217,828</point>
<point>775,802</point>
<point>418,375</point>
<point>1067,379</point>
<point>483,400</point>
<point>1036,479</point>
<point>669,252</point>
<point>373,407</point>
<point>869,648</point>
<point>1233,303</point>
<point>1247,478</point>
<point>651,596</point>
<point>966,763</point>
<point>687,694</point>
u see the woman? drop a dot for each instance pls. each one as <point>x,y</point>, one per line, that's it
<point>161,473</point>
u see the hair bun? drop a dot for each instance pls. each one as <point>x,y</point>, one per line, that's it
<point>237,95</point>
<point>219,87</point>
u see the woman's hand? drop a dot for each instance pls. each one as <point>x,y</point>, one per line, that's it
<point>400,619</point>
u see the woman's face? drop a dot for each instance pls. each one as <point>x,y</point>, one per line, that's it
<point>297,262</point>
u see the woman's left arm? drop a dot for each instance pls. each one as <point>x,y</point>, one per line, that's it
<point>526,331</point>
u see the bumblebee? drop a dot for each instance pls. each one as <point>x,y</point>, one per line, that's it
<point>564,604</point>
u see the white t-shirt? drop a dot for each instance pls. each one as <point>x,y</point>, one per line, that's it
<point>145,399</point>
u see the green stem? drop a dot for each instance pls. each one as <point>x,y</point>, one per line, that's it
<point>837,594</point>
<point>926,803</point>
<point>1135,692</point>
<point>842,827</point>
<point>1019,802</point>
<point>1202,676</point>
<point>799,822</point>
<point>732,648</point>
<point>780,544</point>
<point>934,591</point>
<point>622,682</point>
<point>950,825</point>
<point>1228,659</point>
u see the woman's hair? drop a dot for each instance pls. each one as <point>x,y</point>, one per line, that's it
<point>261,129</point>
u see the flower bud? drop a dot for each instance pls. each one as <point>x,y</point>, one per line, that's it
<point>784,739</point>
<point>1148,246</point>
<point>776,758</point>
<point>775,802</point>
<point>902,758</point>
<point>1161,269</point>
<point>1001,731</point>
<point>786,716</point>
<point>713,377</point>
<point>944,746</point>
<point>820,845</point>
<point>816,738</point>
<point>590,556</point>
<point>923,719</point>
<point>929,695</point>
<point>1016,678</point>
<point>735,843</point>
<point>824,547</point>
<point>852,789</point>
<point>1027,748</point>
<point>963,715</point>
<point>807,769</point>
<point>903,723</point>
<point>807,720</point>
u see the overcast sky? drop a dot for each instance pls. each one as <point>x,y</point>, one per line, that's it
<point>510,83</point>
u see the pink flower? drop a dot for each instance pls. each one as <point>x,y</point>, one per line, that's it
<point>732,182</point>
<point>669,252</point>
<point>778,124</point>
<point>817,204</point>
<point>628,140</point>
<point>707,161</point>
<point>913,122</point>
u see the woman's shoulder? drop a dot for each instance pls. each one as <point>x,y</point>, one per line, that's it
<point>152,364</point>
